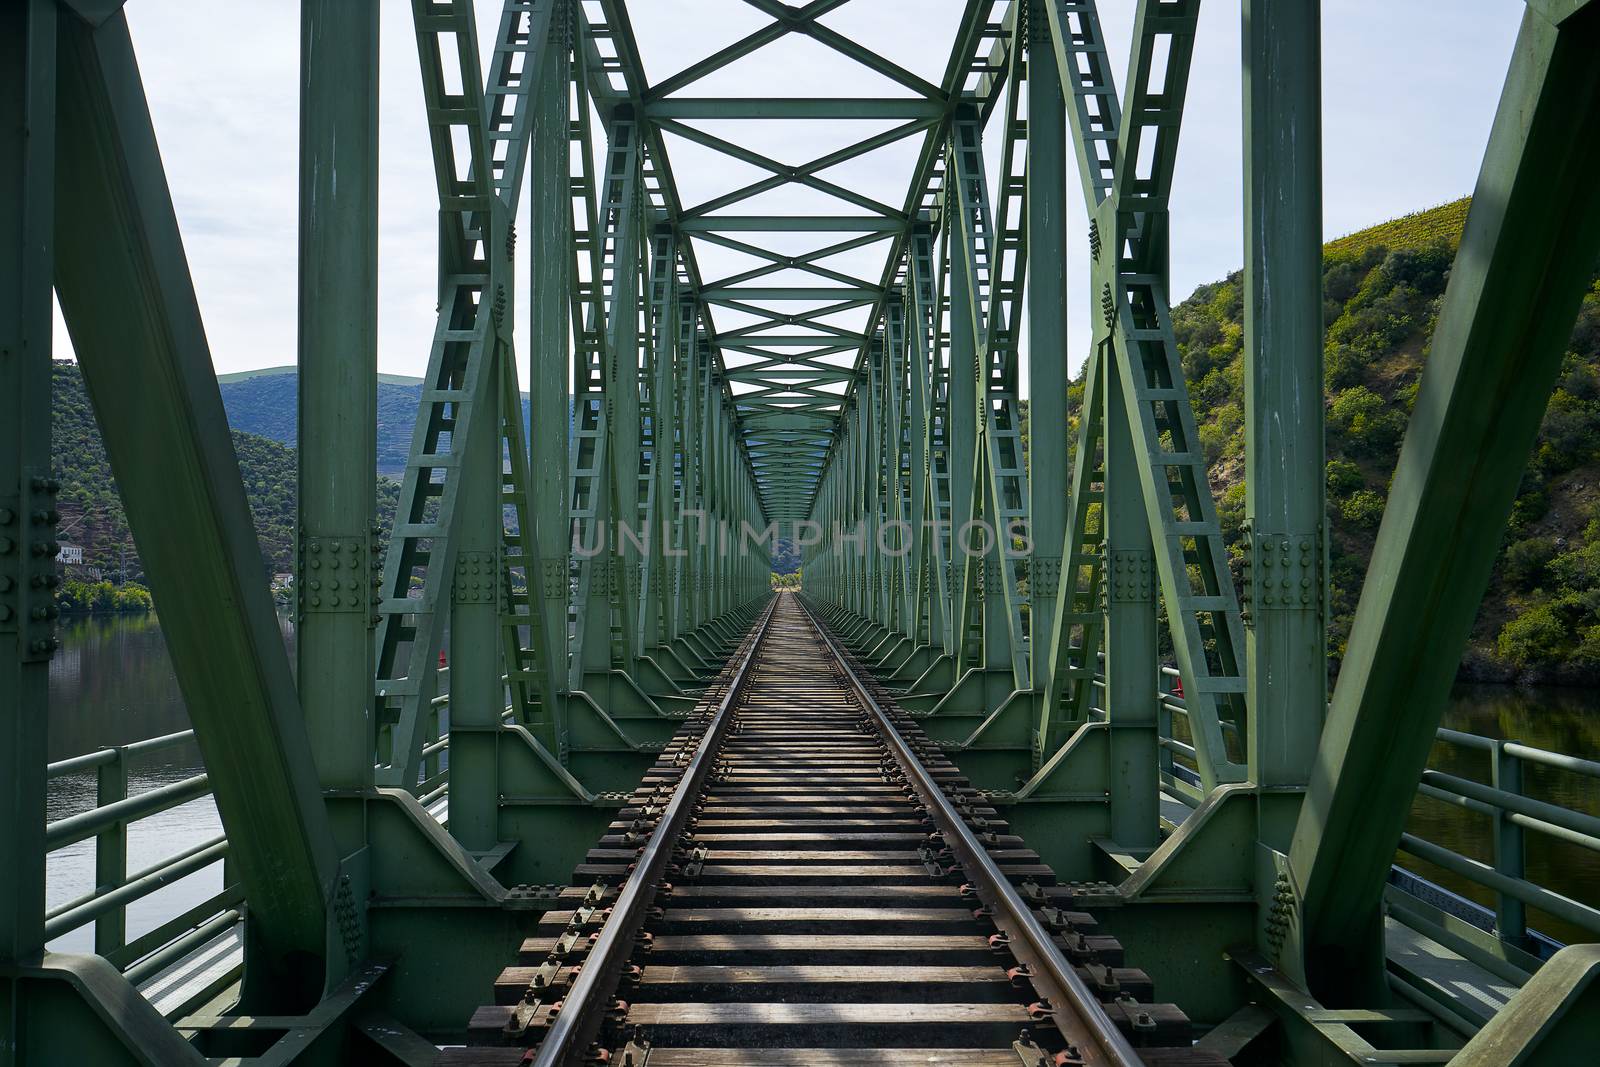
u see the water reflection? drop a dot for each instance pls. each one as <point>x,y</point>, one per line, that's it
<point>1560,720</point>
<point>112,683</point>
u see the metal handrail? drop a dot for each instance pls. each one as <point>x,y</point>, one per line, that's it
<point>86,824</point>
<point>1084,1023</point>
<point>1512,812</point>
<point>585,1003</point>
<point>100,757</point>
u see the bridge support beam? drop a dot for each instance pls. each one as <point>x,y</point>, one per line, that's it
<point>477,694</point>
<point>27,191</point>
<point>1526,256</point>
<point>338,398</point>
<point>129,303</point>
<point>1285,539</point>
<point>1047,361</point>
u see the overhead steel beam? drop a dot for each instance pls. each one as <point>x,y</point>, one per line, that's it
<point>845,46</point>
<point>129,303</point>
<point>677,107</point>
<point>791,224</point>
<point>787,20</point>
<point>1527,255</point>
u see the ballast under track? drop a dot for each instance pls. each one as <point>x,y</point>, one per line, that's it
<point>816,905</point>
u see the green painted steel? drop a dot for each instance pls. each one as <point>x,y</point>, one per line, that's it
<point>338,397</point>
<point>135,325</point>
<point>1526,257</point>
<point>27,191</point>
<point>592,569</point>
<point>1285,499</point>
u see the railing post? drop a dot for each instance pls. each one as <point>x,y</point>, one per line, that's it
<point>1164,769</point>
<point>111,853</point>
<point>1510,914</point>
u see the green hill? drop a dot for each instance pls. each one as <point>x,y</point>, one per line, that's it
<point>91,509</point>
<point>1541,617</point>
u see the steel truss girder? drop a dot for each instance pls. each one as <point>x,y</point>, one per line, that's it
<point>469,365</point>
<point>1127,204</point>
<point>130,307</point>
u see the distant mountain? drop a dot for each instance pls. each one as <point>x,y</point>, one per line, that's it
<point>265,402</point>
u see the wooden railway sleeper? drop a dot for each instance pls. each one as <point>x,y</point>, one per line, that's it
<point>794,759</point>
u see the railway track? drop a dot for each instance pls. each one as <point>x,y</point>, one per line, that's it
<point>803,879</point>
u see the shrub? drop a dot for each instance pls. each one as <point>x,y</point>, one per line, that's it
<point>1526,561</point>
<point>1363,508</point>
<point>1538,635</point>
<point>132,597</point>
<point>1344,478</point>
<point>1370,424</point>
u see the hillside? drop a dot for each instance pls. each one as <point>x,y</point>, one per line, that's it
<point>265,402</point>
<point>91,508</point>
<point>1540,620</point>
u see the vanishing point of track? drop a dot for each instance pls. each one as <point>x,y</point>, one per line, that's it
<point>804,879</point>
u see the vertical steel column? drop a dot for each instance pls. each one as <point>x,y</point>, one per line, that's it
<point>1284,452</point>
<point>961,435</point>
<point>338,398</point>
<point>927,616</point>
<point>549,332</point>
<point>1527,256</point>
<point>1129,575</point>
<point>477,695</point>
<point>692,528</point>
<point>654,613</point>
<point>623,396</point>
<point>27,176</point>
<point>1047,360</point>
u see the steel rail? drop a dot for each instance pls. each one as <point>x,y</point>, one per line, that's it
<point>575,1025</point>
<point>1075,1010</point>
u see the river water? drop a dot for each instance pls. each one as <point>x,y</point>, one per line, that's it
<point>112,683</point>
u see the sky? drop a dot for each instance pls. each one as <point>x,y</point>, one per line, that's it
<point>1408,100</point>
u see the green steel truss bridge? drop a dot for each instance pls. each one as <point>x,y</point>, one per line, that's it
<point>1010,620</point>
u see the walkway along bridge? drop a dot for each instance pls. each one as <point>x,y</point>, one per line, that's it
<point>944,800</point>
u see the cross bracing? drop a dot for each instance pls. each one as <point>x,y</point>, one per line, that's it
<point>734,323</point>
